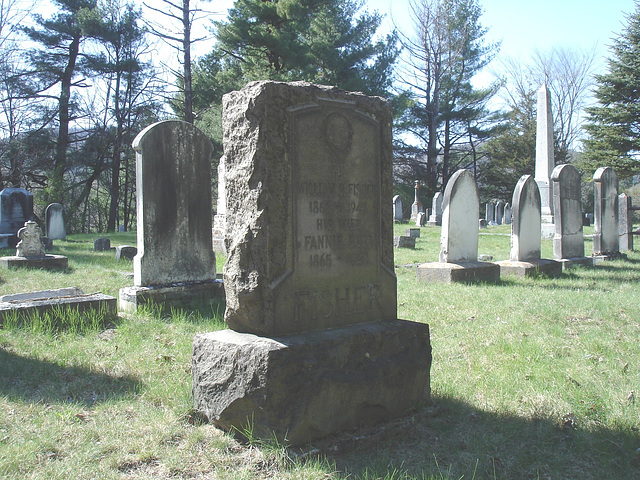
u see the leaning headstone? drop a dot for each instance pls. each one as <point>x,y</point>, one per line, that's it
<point>315,346</point>
<point>101,244</point>
<point>16,208</point>
<point>436,210</point>
<point>499,212</point>
<point>459,236</point>
<point>416,206</point>
<point>605,209</point>
<point>30,251</point>
<point>625,222</point>
<point>568,240</point>
<point>397,208</point>
<point>173,188</point>
<point>220,218</point>
<point>54,215</point>
<point>524,259</point>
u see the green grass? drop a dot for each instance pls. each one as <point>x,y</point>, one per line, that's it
<point>531,379</point>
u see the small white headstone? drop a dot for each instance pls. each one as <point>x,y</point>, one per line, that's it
<point>459,236</point>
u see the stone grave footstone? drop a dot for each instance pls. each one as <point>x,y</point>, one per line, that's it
<point>568,240</point>
<point>525,259</point>
<point>173,188</point>
<point>459,237</point>
<point>606,243</point>
<point>30,251</point>
<point>54,215</point>
<point>314,345</point>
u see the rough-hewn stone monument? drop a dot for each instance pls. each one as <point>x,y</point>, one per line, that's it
<point>568,240</point>
<point>175,263</point>
<point>525,259</point>
<point>605,214</point>
<point>315,345</point>
<point>54,216</point>
<point>459,236</point>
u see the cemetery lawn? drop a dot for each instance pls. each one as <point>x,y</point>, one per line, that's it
<point>531,379</point>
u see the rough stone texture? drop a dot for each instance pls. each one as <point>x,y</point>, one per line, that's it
<point>54,215</point>
<point>101,244</point>
<point>525,227</point>
<point>500,212</point>
<point>305,387</point>
<point>309,223</point>
<point>436,210</point>
<point>173,188</point>
<point>220,218</point>
<point>464,272</point>
<point>126,251</point>
<point>530,268</point>
<point>44,261</point>
<point>404,241</point>
<point>50,302</point>
<point>397,208</point>
<point>544,154</point>
<point>625,223</point>
<point>568,240</point>
<point>605,212</point>
<point>189,295</point>
<point>459,236</point>
<point>30,244</point>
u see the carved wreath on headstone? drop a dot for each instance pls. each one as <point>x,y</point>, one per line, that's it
<point>30,244</point>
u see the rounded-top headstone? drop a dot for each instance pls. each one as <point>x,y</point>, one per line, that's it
<point>526,220</point>
<point>459,235</point>
<point>568,241</point>
<point>605,209</point>
<point>54,215</point>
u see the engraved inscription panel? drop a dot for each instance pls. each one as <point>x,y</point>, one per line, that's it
<point>336,201</point>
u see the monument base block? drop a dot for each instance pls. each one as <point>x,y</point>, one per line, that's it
<point>530,268</point>
<point>44,261</point>
<point>598,259</point>
<point>307,386</point>
<point>179,295</point>
<point>576,261</point>
<point>458,272</point>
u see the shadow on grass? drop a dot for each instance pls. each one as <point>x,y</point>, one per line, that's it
<point>42,381</point>
<point>451,440</point>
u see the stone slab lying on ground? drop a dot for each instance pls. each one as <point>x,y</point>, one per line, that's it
<point>599,259</point>
<point>306,386</point>
<point>46,301</point>
<point>45,261</point>
<point>458,272</point>
<point>184,294</point>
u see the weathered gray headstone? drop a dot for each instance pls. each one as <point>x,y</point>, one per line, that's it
<point>220,218</point>
<point>545,162</point>
<point>173,184</point>
<point>436,210</point>
<point>416,206</point>
<point>489,214</point>
<point>605,211</point>
<point>412,232</point>
<point>310,267</point>
<point>421,219</point>
<point>500,212</point>
<point>126,252</point>
<point>404,241</point>
<point>508,214</point>
<point>525,234</point>
<point>16,207</point>
<point>625,222</point>
<point>397,208</point>
<point>101,244</point>
<point>568,241</point>
<point>459,236</point>
<point>54,215</point>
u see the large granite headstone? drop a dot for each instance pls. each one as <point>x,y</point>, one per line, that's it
<point>459,236</point>
<point>314,345</point>
<point>526,243</point>
<point>16,208</point>
<point>173,188</point>
<point>54,215</point>
<point>568,240</point>
<point>605,212</point>
<point>625,222</point>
